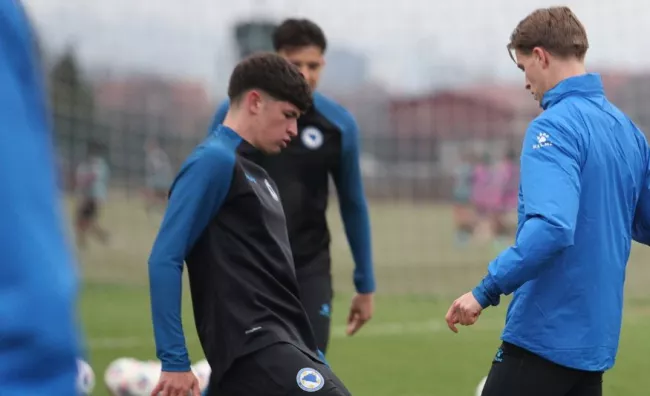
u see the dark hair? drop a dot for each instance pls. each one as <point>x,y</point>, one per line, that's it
<point>556,29</point>
<point>296,33</point>
<point>273,75</point>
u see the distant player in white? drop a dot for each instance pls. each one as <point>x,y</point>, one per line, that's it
<point>91,183</point>
<point>159,176</point>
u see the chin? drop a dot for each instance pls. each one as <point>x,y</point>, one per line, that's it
<point>274,150</point>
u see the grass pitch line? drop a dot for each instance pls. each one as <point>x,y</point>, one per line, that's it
<point>371,330</point>
<point>379,329</point>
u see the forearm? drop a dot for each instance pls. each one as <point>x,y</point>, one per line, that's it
<point>357,228</point>
<point>166,290</point>
<point>538,242</point>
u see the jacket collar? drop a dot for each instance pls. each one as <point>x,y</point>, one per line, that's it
<point>588,84</point>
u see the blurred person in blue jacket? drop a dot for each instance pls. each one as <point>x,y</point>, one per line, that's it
<point>583,198</point>
<point>39,342</point>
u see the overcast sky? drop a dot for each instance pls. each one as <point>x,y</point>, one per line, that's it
<point>404,45</point>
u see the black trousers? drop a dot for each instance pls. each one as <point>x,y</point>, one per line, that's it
<point>316,297</point>
<point>279,370</point>
<point>518,372</point>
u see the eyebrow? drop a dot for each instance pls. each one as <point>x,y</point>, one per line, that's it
<point>520,66</point>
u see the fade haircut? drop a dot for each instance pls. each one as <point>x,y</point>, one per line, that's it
<point>556,29</point>
<point>273,75</point>
<point>297,33</point>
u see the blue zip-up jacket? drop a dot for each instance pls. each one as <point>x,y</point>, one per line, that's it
<point>38,329</point>
<point>583,198</point>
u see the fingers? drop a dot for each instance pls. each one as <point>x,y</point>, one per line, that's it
<point>354,324</point>
<point>165,388</point>
<point>461,312</point>
<point>357,317</point>
<point>159,388</point>
<point>351,315</point>
<point>467,317</point>
<point>452,317</point>
<point>196,390</point>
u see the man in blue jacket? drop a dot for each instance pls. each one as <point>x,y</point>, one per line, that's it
<point>328,144</point>
<point>583,198</point>
<point>38,288</point>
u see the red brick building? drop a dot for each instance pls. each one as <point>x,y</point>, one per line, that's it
<point>485,118</point>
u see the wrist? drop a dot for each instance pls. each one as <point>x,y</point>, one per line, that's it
<point>487,292</point>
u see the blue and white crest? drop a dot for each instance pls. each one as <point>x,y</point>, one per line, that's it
<point>310,380</point>
<point>312,137</point>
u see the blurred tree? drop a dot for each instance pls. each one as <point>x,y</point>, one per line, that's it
<point>72,108</point>
<point>70,95</point>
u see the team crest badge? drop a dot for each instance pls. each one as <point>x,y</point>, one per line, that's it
<point>271,190</point>
<point>310,380</point>
<point>312,138</point>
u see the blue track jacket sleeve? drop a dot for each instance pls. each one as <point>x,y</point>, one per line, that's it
<point>219,115</point>
<point>550,182</point>
<point>354,209</point>
<point>641,224</point>
<point>197,194</point>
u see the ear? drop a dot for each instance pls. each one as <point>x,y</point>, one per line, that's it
<point>541,55</point>
<point>254,101</point>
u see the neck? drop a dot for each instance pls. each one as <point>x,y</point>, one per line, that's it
<point>567,69</point>
<point>238,124</point>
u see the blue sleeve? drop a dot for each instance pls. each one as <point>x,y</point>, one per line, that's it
<point>641,224</point>
<point>197,194</point>
<point>354,209</point>
<point>550,182</point>
<point>219,115</point>
<point>39,327</point>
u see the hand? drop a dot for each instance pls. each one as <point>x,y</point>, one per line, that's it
<point>465,310</point>
<point>361,311</point>
<point>181,383</point>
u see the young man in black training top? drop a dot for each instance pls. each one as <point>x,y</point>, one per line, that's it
<point>328,144</point>
<point>225,220</point>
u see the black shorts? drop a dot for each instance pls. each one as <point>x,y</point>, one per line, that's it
<point>88,209</point>
<point>316,296</point>
<point>516,372</point>
<point>278,370</point>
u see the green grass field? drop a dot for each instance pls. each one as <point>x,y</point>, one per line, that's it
<point>405,350</point>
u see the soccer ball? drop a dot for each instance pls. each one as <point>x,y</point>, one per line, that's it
<point>85,378</point>
<point>145,378</point>
<point>131,377</point>
<point>121,376</point>
<point>202,371</point>
<point>479,388</point>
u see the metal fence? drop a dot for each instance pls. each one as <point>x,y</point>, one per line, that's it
<point>166,72</point>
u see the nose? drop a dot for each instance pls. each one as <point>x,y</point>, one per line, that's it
<point>528,86</point>
<point>304,69</point>
<point>292,129</point>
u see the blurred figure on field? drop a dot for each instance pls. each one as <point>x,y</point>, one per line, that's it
<point>159,176</point>
<point>506,183</point>
<point>91,184</point>
<point>482,193</point>
<point>463,211</point>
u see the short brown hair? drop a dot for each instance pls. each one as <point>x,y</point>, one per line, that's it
<point>556,29</point>
<point>273,75</point>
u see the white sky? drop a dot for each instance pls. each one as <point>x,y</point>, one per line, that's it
<point>405,40</point>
